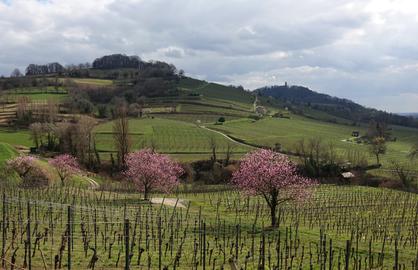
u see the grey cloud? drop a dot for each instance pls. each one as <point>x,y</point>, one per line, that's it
<point>365,50</point>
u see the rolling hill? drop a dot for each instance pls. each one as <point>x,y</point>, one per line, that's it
<point>179,114</point>
<point>300,99</point>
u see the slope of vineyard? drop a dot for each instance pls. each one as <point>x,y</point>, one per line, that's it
<point>364,228</point>
<point>185,140</point>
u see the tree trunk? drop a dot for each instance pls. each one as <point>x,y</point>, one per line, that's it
<point>273,215</point>
<point>273,207</point>
<point>146,193</point>
<point>377,159</point>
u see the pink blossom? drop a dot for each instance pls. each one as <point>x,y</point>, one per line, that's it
<point>272,175</point>
<point>22,164</point>
<point>150,171</point>
<point>66,165</point>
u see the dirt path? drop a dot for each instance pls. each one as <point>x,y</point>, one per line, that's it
<point>92,182</point>
<point>170,202</point>
<point>227,137</point>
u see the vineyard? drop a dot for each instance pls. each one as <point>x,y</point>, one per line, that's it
<point>339,228</point>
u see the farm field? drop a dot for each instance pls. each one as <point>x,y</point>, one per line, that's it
<point>179,134</point>
<point>92,81</point>
<point>358,227</point>
<point>167,136</point>
<point>194,118</point>
<point>15,137</point>
<point>40,96</point>
<point>288,132</point>
<point>216,91</point>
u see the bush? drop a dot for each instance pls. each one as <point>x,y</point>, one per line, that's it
<point>81,105</point>
<point>102,111</point>
<point>29,171</point>
<point>37,177</point>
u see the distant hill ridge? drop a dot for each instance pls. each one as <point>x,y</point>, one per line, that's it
<point>155,78</point>
<point>50,68</point>
<point>299,96</point>
<point>116,61</point>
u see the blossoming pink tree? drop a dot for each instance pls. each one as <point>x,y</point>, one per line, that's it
<point>272,175</point>
<point>150,171</point>
<point>66,165</point>
<point>22,165</point>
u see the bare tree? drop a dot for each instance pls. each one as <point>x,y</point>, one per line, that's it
<point>121,135</point>
<point>414,151</point>
<point>36,133</point>
<point>153,144</point>
<point>378,147</point>
<point>212,146</point>
<point>16,73</point>
<point>52,110</point>
<point>83,139</point>
<point>23,103</point>
<point>404,173</point>
<point>310,153</point>
<point>228,153</point>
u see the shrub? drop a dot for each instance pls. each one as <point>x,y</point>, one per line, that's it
<point>29,171</point>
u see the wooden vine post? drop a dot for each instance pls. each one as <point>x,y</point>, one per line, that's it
<point>28,235</point>
<point>159,242</point>
<point>126,234</point>
<point>3,224</point>
<point>69,229</point>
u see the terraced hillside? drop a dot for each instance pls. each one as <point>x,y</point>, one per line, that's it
<point>173,124</point>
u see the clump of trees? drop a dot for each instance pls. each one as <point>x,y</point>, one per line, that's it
<point>73,137</point>
<point>318,158</point>
<point>150,171</point>
<point>274,176</point>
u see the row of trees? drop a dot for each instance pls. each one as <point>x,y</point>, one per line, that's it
<point>261,172</point>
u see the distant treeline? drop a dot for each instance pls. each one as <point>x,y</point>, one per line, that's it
<point>297,97</point>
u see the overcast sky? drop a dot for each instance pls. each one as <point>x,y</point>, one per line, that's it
<point>365,50</point>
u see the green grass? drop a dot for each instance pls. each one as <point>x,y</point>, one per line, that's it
<point>38,93</point>
<point>340,213</point>
<point>217,91</point>
<point>37,90</point>
<point>99,82</point>
<point>42,96</point>
<point>15,137</point>
<point>208,109</point>
<point>170,136</point>
<point>6,152</point>
<point>288,132</point>
<point>194,118</point>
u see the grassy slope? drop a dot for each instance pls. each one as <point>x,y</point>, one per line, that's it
<point>6,152</point>
<point>170,136</point>
<point>99,82</point>
<point>15,137</point>
<point>288,131</point>
<point>217,91</point>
